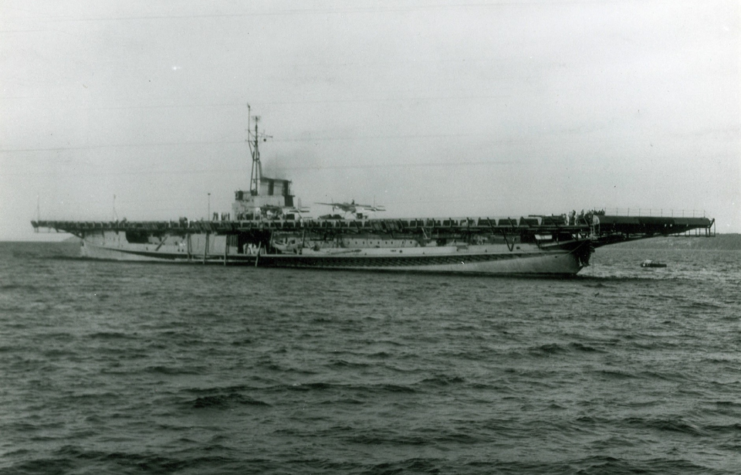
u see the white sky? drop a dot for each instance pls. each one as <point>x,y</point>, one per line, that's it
<point>432,108</point>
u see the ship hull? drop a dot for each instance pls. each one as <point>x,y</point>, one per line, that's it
<point>474,260</point>
<point>545,263</point>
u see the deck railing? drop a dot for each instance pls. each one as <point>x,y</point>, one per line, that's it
<point>655,212</point>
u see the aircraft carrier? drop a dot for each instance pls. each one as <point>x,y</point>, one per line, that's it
<point>266,228</point>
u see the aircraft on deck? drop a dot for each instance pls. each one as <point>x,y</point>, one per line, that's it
<point>272,211</point>
<point>354,208</point>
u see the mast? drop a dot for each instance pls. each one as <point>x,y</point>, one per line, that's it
<point>256,174</point>
<point>254,142</point>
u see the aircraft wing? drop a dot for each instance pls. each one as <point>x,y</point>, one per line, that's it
<point>371,208</point>
<point>295,209</point>
<point>342,206</point>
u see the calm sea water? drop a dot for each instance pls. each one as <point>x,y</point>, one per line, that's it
<point>133,368</point>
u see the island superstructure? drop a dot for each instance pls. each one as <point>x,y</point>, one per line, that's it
<point>267,228</point>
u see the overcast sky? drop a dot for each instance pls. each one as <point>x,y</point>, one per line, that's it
<point>431,108</point>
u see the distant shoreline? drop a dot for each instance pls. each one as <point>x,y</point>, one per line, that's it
<point>720,242</point>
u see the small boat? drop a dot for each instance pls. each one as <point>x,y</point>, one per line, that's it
<point>650,263</point>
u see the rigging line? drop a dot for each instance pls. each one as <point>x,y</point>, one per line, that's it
<point>236,104</point>
<point>398,165</point>
<point>336,11</point>
<point>230,142</point>
<point>391,99</point>
<point>93,147</point>
<point>376,137</point>
<point>22,31</point>
<point>239,170</point>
